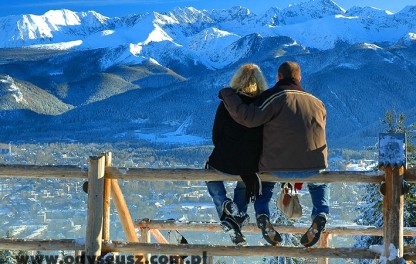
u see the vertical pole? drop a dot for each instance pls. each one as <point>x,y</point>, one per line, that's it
<point>392,158</point>
<point>393,214</point>
<point>106,205</point>
<point>145,235</point>
<point>145,238</point>
<point>324,243</point>
<point>93,238</point>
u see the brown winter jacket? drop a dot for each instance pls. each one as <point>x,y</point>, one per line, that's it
<point>294,126</point>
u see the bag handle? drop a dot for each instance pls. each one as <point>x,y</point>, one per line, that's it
<point>288,188</point>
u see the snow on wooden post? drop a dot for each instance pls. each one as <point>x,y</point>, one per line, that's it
<point>392,159</point>
<point>93,239</point>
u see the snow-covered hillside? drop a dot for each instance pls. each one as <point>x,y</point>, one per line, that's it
<point>164,68</point>
<point>204,36</point>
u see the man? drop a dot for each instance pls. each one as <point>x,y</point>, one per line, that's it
<point>294,142</point>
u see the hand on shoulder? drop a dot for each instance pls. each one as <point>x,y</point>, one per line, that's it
<point>225,91</point>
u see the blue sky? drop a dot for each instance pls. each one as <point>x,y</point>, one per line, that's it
<point>123,7</point>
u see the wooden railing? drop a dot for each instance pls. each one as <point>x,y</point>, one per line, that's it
<point>103,184</point>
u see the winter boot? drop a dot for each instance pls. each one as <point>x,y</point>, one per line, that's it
<point>231,227</point>
<point>242,219</point>
<point>267,230</point>
<point>229,208</point>
<point>314,232</point>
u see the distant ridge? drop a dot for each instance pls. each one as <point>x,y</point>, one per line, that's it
<point>144,76</point>
<point>202,35</point>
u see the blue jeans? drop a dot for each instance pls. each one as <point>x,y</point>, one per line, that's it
<point>218,193</point>
<point>319,191</point>
<point>261,205</point>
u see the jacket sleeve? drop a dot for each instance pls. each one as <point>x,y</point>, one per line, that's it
<point>218,126</point>
<point>247,115</point>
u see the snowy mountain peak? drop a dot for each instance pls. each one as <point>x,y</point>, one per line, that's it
<point>53,26</point>
<point>314,9</point>
<point>367,12</point>
<point>62,17</point>
<point>203,36</point>
<point>188,15</point>
<point>326,6</point>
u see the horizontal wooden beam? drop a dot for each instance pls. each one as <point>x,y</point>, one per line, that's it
<point>187,249</point>
<point>70,171</point>
<point>41,245</point>
<point>117,246</point>
<point>210,175</point>
<point>212,250</point>
<point>252,228</point>
<point>47,171</point>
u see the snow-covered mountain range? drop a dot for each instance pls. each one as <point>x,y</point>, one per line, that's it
<point>155,76</point>
<point>204,36</point>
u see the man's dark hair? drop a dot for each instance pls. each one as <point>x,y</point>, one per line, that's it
<point>289,69</point>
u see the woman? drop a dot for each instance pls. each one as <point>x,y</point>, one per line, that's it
<point>236,151</point>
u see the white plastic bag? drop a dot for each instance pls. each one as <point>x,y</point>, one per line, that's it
<point>288,202</point>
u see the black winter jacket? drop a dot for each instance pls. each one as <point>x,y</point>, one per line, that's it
<point>237,148</point>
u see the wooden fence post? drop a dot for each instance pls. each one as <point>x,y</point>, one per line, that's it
<point>145,238</point>
<point>324,243</point>
<point>392,158</point>
<point>106,204</point>
<point>93,239</point>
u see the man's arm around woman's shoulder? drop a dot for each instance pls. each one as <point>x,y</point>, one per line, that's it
<point>246,115</point>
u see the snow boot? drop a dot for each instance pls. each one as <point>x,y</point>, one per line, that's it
<point>314,232</point>
<point>231,227</point>
<point>267,230</point>
<point>229,208</point>
<point>242,219</point>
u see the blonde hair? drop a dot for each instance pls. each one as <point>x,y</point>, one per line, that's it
<point>249,80</point>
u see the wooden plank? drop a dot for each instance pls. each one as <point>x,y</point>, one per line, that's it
<point>252,228</point>
<point>196,250</point>
<point>93,237</point>
<point>70,171</point>
<point>211,250</point>
<point>208,175</point>
<point>45,171</point>
<point>41,245</point>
